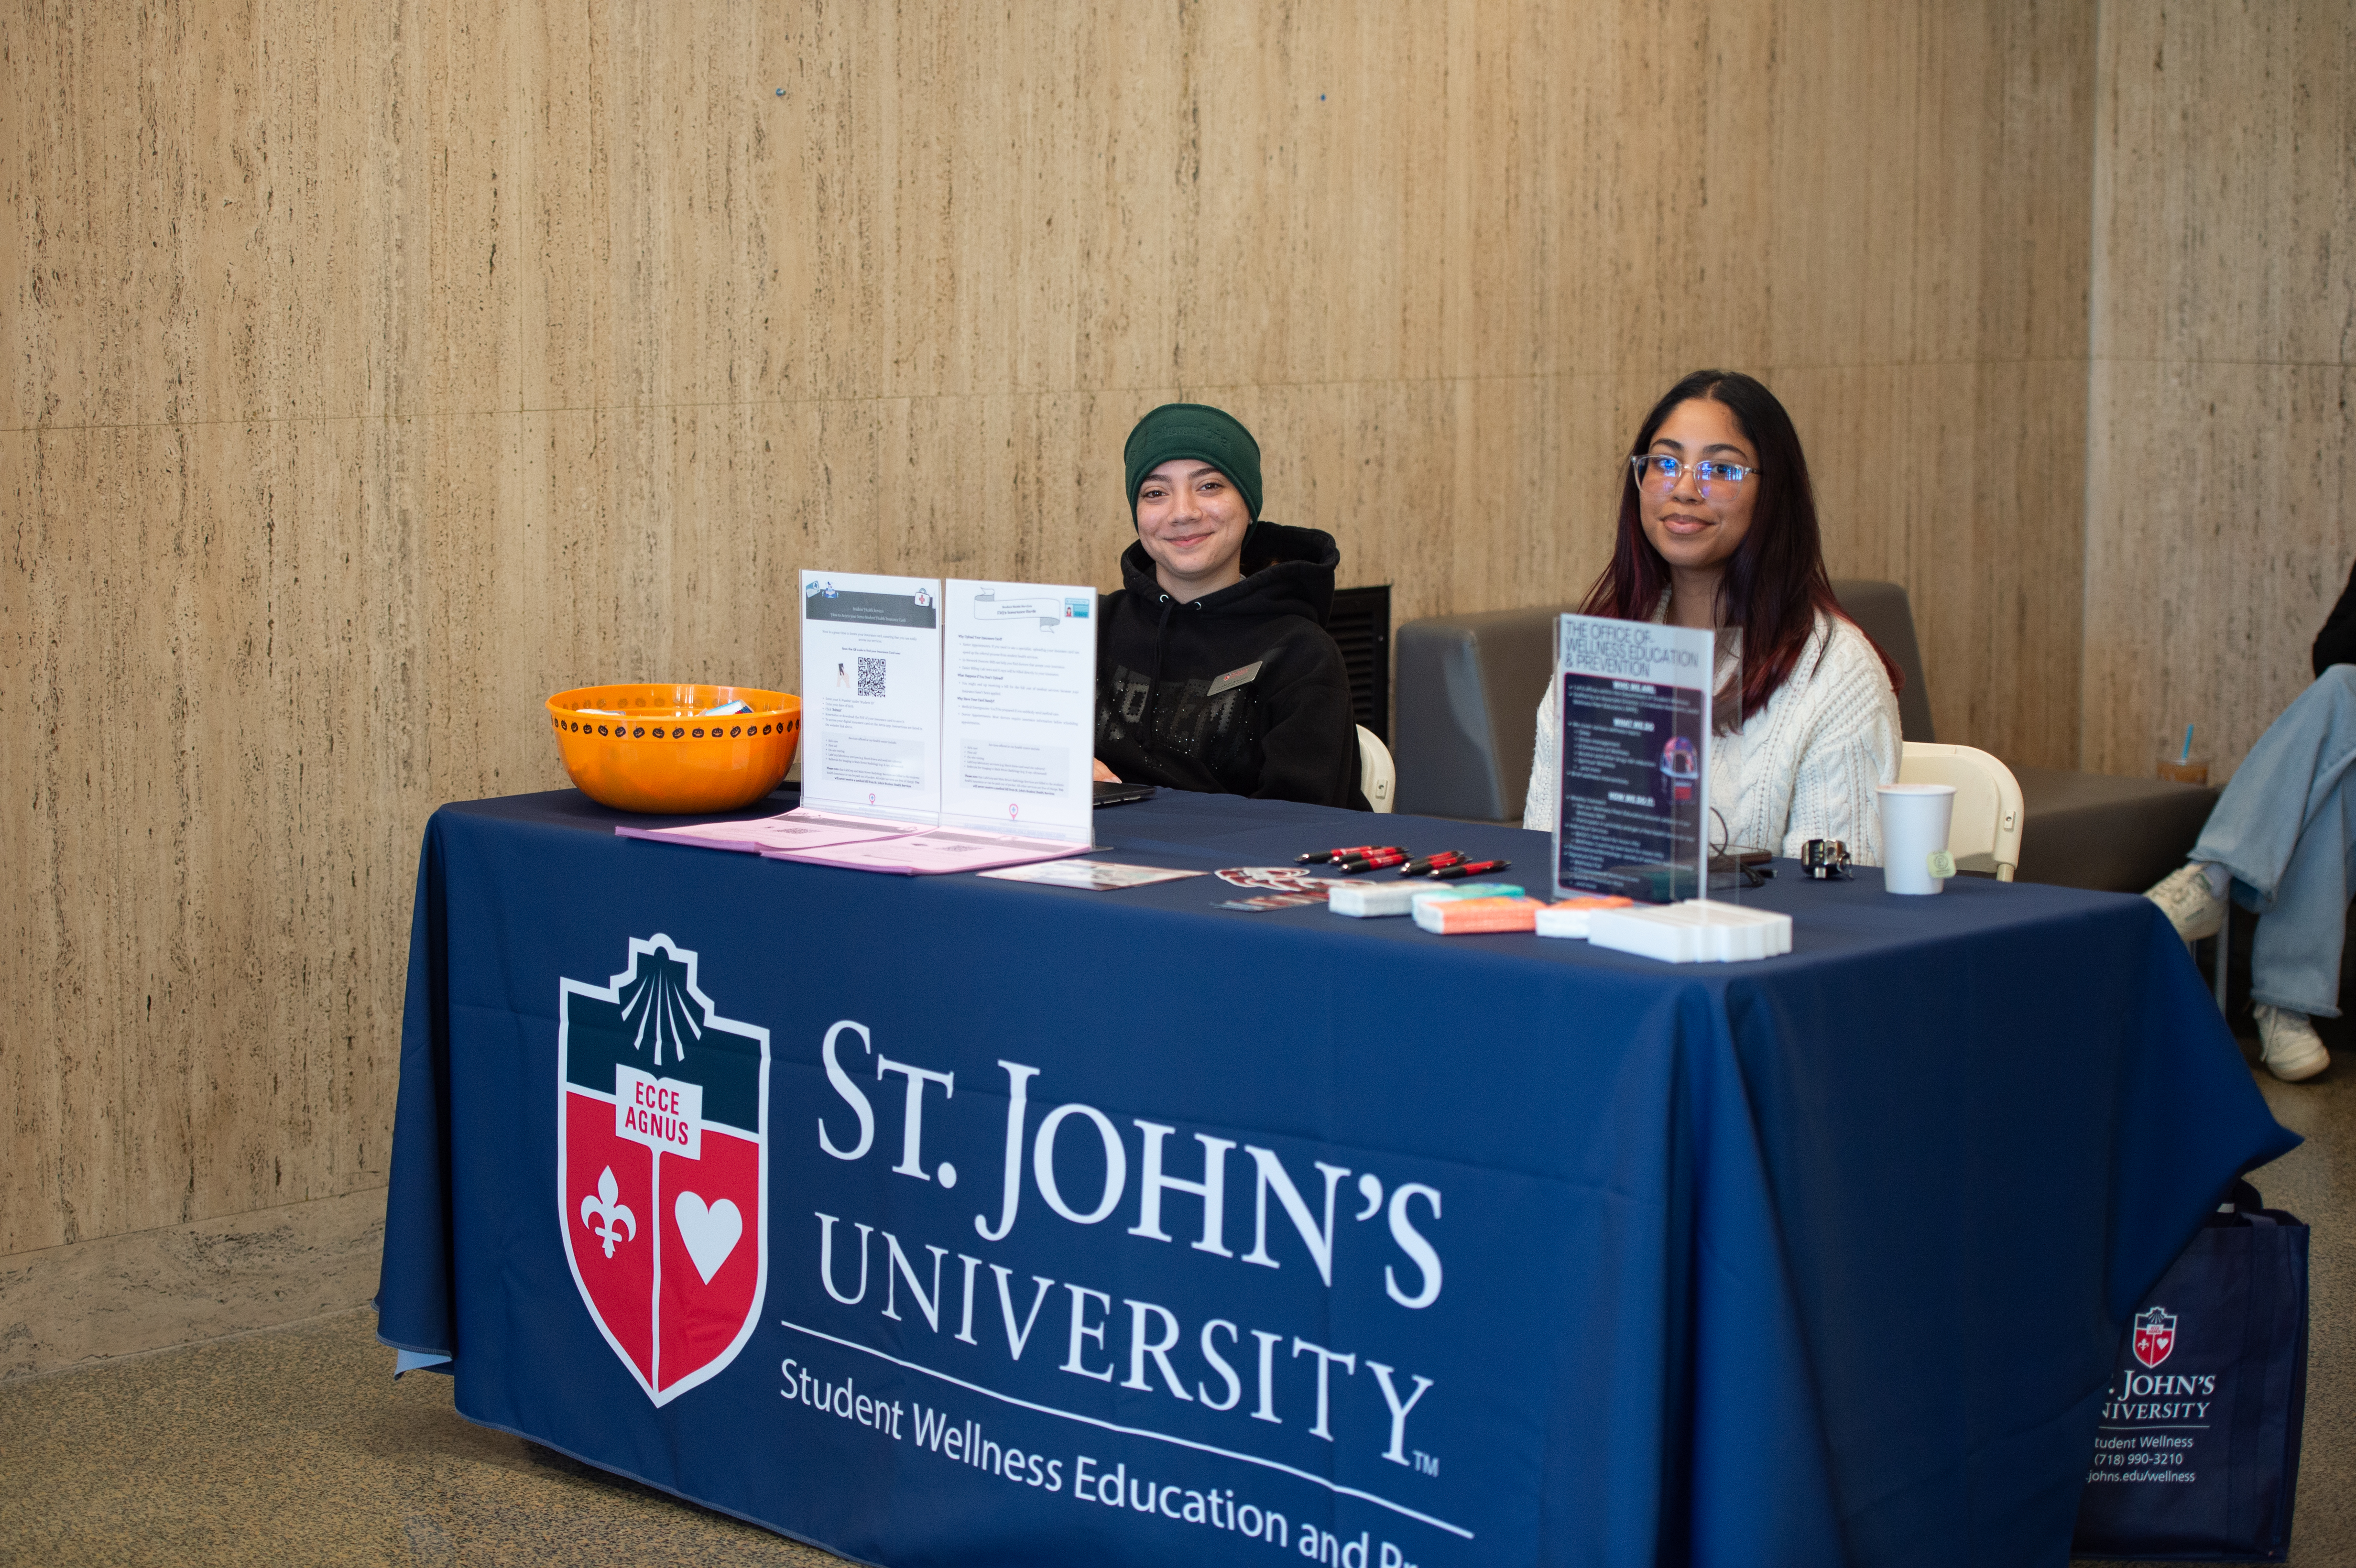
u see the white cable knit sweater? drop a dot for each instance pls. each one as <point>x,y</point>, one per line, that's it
<point>1809,759</point>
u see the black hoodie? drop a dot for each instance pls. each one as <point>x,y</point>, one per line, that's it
<point>1282,732</point>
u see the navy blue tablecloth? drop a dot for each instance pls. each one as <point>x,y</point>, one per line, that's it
<point>1522,1251</point>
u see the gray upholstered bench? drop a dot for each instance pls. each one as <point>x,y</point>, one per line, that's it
<point>1468,691</point>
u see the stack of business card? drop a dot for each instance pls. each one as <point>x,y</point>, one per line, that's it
<point>1362,900</point>
<point>1459,917</point>
<point>1570,917</point>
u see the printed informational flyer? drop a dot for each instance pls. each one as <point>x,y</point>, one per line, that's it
<point>800,829</point>
<point>1090,876</point>
<point>1018,710</point>
<point>872,696</point>
<point>1633,807</point>
<point>931,853</point>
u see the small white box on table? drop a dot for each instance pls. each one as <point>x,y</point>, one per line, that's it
<point>1694,932</point>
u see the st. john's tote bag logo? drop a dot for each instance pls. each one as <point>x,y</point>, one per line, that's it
<point>2196,1456</point>
<point>2155,1336</point>
<point>662,1154</point>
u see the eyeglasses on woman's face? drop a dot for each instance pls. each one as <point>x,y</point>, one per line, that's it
<point>1658,472</point>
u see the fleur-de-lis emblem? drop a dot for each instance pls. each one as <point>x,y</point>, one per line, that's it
<point>616,1217</point>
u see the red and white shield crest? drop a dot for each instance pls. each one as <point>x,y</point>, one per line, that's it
<point>662,1166</point>
<point>2155,1336</point>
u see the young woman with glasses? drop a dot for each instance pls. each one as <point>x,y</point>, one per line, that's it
<point>1717,528</point>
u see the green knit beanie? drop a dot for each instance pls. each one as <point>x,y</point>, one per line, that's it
<point>1196,431</point>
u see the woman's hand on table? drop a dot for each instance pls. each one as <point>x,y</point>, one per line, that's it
<point>1103,774</point>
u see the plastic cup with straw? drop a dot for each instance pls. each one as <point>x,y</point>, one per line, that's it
<point>2184,770</point>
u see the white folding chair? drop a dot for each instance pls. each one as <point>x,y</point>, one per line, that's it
<point>1377,776</point>
<point>1985,833</point>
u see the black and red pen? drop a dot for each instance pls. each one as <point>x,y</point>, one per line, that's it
<point>1417,868</point>
<point>1469,869</point>
<point>1356,863</point>
<point>1319,857</point>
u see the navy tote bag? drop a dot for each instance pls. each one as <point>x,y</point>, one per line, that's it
<point>2196,1456</point>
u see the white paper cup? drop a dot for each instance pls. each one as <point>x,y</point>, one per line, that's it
<point>1914,820</point>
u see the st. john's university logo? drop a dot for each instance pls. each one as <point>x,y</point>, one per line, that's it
<point>663,1164</point>
<point>2155,1336</point>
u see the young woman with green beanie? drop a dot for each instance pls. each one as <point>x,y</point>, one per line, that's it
<point>1214,669</point>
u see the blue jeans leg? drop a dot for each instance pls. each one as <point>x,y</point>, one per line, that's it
<point>2295,955</point>
<point>2286,828</point>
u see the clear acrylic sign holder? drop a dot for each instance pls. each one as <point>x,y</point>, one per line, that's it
<point>1637,751</point>
<point>1633,746</point>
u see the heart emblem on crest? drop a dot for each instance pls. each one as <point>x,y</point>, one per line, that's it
<point>710,1232</point>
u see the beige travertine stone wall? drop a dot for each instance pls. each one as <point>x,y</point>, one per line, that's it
<point>369,371</point>
<point>2222,446</point>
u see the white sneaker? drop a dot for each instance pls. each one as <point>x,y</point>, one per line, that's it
<point>2192,905</point>
<point>2293,1049</point>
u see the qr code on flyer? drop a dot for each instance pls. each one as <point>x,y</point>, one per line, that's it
<point>870,678</point>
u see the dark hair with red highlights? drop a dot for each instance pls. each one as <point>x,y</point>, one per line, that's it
<point>1775,583</point>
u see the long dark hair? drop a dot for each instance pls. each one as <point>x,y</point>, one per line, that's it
<point>1775,584</point>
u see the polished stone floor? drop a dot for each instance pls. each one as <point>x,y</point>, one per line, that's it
<point>295,1444</point>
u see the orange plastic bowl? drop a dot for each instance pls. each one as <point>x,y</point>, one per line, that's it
<point>641,748</point>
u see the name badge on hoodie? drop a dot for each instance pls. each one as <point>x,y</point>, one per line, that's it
<point>1236,678</point>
